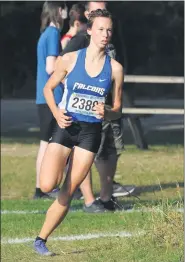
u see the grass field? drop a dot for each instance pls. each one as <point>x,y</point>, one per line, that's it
<point>127,236</point>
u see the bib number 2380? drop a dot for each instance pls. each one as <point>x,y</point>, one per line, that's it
<point>84,104</point>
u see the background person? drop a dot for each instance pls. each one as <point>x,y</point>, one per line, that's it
<point>48,49</point>
<point>77,22</point>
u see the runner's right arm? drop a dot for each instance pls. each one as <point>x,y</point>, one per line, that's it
<point>61,69</point>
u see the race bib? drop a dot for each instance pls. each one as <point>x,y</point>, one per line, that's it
<point>84,104</point>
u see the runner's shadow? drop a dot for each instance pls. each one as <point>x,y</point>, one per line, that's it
<point>158,187</point>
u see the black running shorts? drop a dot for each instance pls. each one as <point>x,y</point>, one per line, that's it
<point>47,122</point>
<point>81,134</point>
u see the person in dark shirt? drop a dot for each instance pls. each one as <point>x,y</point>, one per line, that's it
<point>77,21</point>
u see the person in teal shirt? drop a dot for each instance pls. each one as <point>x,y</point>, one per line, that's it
<point>48,49</point>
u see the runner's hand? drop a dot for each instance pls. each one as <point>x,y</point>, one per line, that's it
<point>100,110</point>
<point>63,120</point>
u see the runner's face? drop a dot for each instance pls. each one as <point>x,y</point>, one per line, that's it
<point>101,31</point>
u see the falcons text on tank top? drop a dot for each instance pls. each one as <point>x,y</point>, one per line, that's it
<point>82,92</point>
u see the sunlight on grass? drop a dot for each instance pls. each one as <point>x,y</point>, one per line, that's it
<point>158,175</point>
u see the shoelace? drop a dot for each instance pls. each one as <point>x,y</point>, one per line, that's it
<point>42,245</point>
<point>130,194</point>
<point>116,203</point>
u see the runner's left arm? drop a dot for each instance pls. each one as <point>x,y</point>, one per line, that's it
<point>118,78</point>
<point>114,112</point>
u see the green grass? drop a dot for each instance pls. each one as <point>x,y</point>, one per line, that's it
<point>154,245</point>
<point>153,170</point>
<point>105,249</point>
<point>158,173</point>
<point>30,224</point>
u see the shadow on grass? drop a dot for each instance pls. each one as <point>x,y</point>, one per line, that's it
<point>129,203</point>
<point>153,188</point>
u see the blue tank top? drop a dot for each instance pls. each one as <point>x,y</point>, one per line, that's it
<point>82,92</point>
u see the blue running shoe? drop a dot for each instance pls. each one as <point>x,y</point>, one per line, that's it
<point>41,195</point>
<point>41,249</point>
<point>54,193</point>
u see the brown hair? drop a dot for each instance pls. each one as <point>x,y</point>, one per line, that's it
<point>77,14</point>
<point>50,13</point>
<point>97,13</point>
<point>88,2</point>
